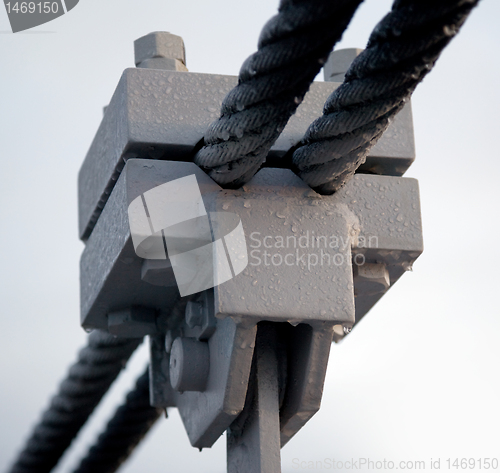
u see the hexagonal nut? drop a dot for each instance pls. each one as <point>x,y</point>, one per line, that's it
<point>338,62</point>
<point>163,63</point>
<point>159,44</point>
<point>135,322</point>
<point>370,279</point>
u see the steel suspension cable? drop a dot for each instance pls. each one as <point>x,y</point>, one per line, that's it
<point>292,48</point>
<point>130,423</point>
<point>98,365</point>
<point>401,51</point>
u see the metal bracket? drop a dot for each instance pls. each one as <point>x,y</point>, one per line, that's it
<point>166,119</point>
<point>316,264</point>
<point>253,443</point>
<point>281,212</point>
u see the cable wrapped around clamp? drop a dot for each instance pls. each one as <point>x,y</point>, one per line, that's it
<point>401,51</point>
<point>98,365</point>
<point>130,423</point>
<point>293,46</point>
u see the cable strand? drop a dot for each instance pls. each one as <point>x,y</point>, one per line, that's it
<point>128,426</point>
<point>98,365</point>
<point>292,48</point>
<point>401,51</point>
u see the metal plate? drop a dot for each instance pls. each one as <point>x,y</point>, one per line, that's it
<point>158,114</point>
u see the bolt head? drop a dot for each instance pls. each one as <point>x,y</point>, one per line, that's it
<point>159,44</point>
<point>371,279</point>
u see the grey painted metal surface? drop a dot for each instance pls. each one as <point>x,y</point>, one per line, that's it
<point>308,353</point>
<point>162,63</point>
<point>110,271</point>
<point>160,114</point>
<point>207,414</point>
<point>382,211</point>
<point>159,44</point>
<point>160,50</point>
<point>210,411</point>
<point>371,278</point>
<point>374,220</point>
<point>283,219</point>
<point>189,364</point>
<point>133,322</point>
<point>255,447</point>
<point>375,217</point>
<point>338,62</point>
<point>394,153</point>
<point>207,411</point>
<point>317,264</point>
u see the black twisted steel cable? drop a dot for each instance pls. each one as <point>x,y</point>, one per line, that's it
<point>98,365</point>
<point>401,50</point>
<point>130,423</point>
<point>292,48</point>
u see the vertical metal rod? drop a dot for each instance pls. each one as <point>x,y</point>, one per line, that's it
<point>255,447</point>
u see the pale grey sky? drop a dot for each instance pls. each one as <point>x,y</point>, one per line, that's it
<point>417,379</point>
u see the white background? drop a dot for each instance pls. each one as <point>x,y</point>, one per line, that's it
<point>417,379</point>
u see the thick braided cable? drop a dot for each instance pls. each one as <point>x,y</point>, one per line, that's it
<point>130,423</point>
<point>292,48</point>
<point>98,365</point>
<point>401,50</point>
